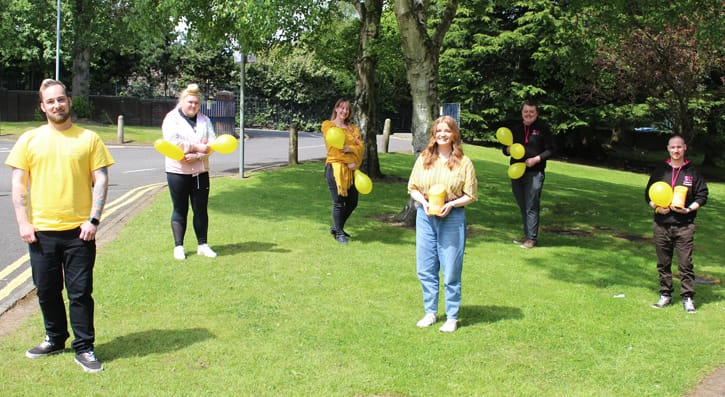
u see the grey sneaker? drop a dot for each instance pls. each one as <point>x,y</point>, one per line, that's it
<point>664,301</point>
<point>89,362</point>
<point>46,348</point>
<point>689,304</point>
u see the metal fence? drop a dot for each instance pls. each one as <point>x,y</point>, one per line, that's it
<point>222,114</point>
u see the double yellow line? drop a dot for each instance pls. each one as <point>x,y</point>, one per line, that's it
<point>125,200</point>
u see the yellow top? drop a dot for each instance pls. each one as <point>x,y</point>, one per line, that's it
<point>59,166</point>
<point>457,182</point>
<point>339,159</point>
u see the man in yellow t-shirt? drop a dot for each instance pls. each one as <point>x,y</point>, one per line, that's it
<point>59,188</point>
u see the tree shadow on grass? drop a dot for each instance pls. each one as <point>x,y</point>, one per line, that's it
<point>471,315</point>
<point>152,341</point>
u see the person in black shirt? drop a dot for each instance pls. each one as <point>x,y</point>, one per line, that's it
<point>538,142</point>
<point>673,226</point>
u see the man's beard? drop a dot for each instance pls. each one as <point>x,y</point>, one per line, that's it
<point>58,118</point>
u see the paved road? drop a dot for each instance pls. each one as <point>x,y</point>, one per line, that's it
<point>139,171</point>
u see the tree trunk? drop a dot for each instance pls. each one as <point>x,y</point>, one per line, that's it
<point>369,12</point>
<point>422,53</point>
<point>82,20</point>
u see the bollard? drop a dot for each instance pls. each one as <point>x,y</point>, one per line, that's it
<point>120,129</point>
<point>293,159</point>
<point>386,135</point>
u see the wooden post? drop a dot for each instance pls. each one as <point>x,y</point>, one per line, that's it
<point>120,129</point>
<point>293,144</point>
<point>386,135</point>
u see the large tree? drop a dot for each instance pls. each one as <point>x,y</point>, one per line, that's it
<point>669,56</point>
<point>27,43</point>
<point>423,25</point>
<point>370,12</point>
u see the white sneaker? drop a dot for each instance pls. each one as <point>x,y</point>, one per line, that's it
<point>179,252</point>
<point>449,326</point>
<point>427,320</point>
<point>205,250</point>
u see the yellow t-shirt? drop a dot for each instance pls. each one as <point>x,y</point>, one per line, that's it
<point>459,181</point>
<point>59,166</point>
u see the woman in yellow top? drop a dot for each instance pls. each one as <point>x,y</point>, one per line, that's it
<point>440,231</point>
<point>340,168</point>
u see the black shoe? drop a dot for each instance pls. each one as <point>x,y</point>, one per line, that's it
<point>46,348</point>
<point>341,238</point>
<point>664,301</point>
<point>332,231</point>
<point>89,362</point>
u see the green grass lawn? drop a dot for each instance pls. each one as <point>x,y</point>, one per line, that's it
<point>284,310</point>
<point>109,133</point>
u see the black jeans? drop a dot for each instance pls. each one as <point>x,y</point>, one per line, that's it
<point>57,257</point>
<point>668,239</point>
<point>342,206</point>
<point>185,188</point>
<point>527,192</point>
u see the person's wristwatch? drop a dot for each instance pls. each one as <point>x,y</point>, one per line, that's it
<point>94,221</point>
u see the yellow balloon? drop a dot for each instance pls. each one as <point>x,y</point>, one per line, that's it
<point>363,184</point>
<point>505,136</point>
<point>516,170</point>
<point>661,194</point>
<point>335,137</point>
<point>224,144</point>
<point>168,149</point>
<point>517,150</point>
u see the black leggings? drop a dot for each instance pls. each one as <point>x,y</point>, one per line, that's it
<point>342,207</point>
<point>185,188</point>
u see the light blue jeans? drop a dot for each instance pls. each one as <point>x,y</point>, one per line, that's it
<point>439,246</point>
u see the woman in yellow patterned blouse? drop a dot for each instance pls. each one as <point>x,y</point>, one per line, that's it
<point>440,230</point>
<point>340,168</point>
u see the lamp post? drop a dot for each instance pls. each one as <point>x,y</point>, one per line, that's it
<point>240,58</point>
<point>57,43</point>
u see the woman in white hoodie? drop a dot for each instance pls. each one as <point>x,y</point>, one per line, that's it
<point>188,178</point>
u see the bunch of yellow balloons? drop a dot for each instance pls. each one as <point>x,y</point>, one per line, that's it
<point>517,151</point>
<point>224,144</point>
<point>335,137</point>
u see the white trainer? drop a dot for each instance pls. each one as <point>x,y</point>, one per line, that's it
<point>449,326</point>
<point>427,320</point>
<point>179,252</point>
<point>205,250</point>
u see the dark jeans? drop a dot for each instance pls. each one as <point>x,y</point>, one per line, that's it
<point>185,188</point>
<point>59,255</point>
<point>668,239</point>
<point>342,207</point>
<point>527,192</point>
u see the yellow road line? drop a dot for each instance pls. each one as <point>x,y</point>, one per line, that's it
<point>126,199</point>
<point>13,266</point>
<point>15,283</point>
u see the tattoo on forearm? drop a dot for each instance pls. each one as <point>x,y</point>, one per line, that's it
<point>21,202</point>
<point>100,193</point>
